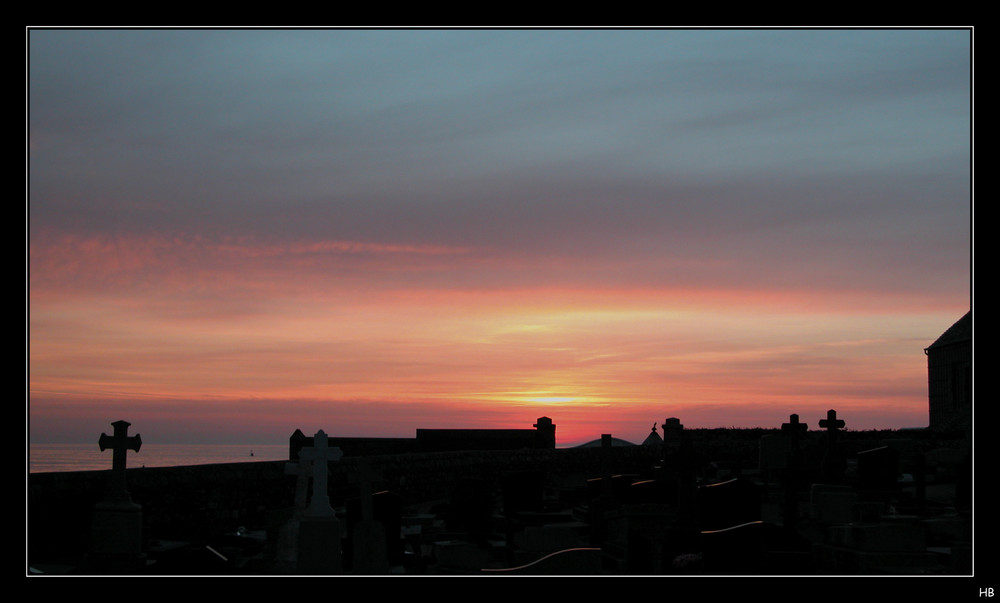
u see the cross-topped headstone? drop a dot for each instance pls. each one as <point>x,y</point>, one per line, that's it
<point>793,431</point>
<point>318,547</point>
<point>831,423</point>
<point>116,525</point>
<point>833,464</point>
<point>319,455</point>
<point>120,443</point>
<point>793,427</point>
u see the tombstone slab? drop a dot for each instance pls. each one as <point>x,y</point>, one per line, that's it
<point>370,555</point>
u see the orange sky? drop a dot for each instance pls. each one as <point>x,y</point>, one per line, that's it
<point>235,234</point>
<point>177,345</point>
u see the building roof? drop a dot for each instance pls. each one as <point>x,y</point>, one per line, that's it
<point>599,442</point>
<point>653,439</point>
<point>959,332</point>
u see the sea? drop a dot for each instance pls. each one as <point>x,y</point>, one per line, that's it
<point>42,458</point>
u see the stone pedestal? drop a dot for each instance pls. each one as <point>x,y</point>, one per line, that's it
<point>369,554</point>
<point>319,544</point>
<point>116,538</point>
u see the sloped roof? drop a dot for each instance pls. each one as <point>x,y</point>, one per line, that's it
<point>959,332</point>
<point>598,443</point>
<point>653,439</point>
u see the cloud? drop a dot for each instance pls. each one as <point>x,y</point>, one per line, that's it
<point>370,214</point>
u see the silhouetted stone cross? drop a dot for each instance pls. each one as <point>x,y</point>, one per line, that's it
<point>120,443</point>
<point>831,422</point>
<point>319,454</point>
<point>793,427</point>
<point>833,464</point>
<point>794,431</point>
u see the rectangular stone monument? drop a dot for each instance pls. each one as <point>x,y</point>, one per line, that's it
<point>523,492</point>
<point>832,503</point>
<point>368,535</point>
<point>728,504</point>
<point>878,471</point>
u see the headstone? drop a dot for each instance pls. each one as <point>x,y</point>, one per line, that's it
<point>832,503</point>
<point>834,463</point>
<point>755,548</point>
<point>523,492</point>
<point>574,561</point>
<point>119,443</point>
<point>653,491</point>
<point>792,432</point>
<point>878,472</point>
<point>303,471</point>
<point>318,456</point>
<point>387,509</point>
<point>369,552</point>
<point>547,538</point>
<point>319,539</point>
<point>775,449</point>
<point>880,537</point>
<point>643,538</point>
<point>831,423</point>
<point>283,525</point>
<point>604,500</point>
<point>735,550</point>
<point>773,459</point>
<point>470,509</point>
<point>727,504</point>
<point>793,429</point>
<point>116,528</point>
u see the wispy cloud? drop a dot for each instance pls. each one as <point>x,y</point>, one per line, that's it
<point>713,219</point>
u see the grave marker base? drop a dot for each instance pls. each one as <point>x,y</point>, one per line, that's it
<point>319,546</point>
<point>116,538</point>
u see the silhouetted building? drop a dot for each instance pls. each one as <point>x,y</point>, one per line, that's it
<point>949,377</point>
<point>543,436</point>
<point>653,440</point>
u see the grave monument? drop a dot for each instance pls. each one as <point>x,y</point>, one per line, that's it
<point>319,540</point>
<point>116,527</point>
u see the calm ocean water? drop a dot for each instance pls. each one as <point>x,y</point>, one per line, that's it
<point>88,457</point>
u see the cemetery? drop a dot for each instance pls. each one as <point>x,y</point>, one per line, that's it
<point>806,497</point>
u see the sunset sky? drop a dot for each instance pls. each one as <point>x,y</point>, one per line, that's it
<point>233,234</point>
